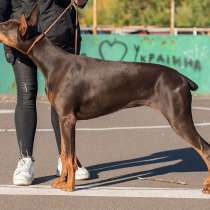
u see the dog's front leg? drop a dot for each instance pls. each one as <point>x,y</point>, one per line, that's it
<point>68,158</point>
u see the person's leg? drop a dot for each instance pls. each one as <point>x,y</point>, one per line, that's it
<point>25,112</point>
<point>56,128</point>
<point>25,118</point>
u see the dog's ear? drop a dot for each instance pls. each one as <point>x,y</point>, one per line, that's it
<point>28,23</point>
<point>32,18</point>
<point>23,26</point>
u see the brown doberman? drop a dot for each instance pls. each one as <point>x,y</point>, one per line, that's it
<point>82,88</point>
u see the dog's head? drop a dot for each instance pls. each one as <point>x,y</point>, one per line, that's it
<point>19,34</point>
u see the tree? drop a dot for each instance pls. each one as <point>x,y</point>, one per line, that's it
<point>189,13</point>
<point>193,13</point>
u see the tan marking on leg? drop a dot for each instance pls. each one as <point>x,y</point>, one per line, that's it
<point>51,96</point>
<point>206,183</point>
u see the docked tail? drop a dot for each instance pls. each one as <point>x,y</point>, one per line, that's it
<point>192,85</point>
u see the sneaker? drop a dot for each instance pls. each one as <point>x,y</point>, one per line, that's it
<point>81,173</point>
<point>24,173</point>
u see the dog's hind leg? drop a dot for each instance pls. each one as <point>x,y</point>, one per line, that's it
<point>69,162</point>
<point>176,107</point>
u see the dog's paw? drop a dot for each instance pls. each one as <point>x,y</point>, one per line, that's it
<point>58,183</point>
<point>206,185</point>
<point>67,187</point>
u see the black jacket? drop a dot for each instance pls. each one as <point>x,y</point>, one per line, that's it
<point>14,8</point>
<point>62,34</point>
<point>5,10</point>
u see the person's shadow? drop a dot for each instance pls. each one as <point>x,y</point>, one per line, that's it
<point>187,160</point>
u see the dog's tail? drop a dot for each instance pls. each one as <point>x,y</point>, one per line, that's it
<point>192,85</point>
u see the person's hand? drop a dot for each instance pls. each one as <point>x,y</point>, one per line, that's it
<point>80,3</point>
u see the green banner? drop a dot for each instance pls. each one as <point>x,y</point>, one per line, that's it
<point>187,54</point>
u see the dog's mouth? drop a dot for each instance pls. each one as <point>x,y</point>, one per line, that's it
<point>4,39</point>
<point>7,41</point>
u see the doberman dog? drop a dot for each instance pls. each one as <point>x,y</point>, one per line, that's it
<point>82,88</point>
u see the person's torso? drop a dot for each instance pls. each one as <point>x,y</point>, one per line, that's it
<point>21,6</point>
<point>62,33</point>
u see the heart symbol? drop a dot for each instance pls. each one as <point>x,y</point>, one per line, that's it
<point>115,50</point>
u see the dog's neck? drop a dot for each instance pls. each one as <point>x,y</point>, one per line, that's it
<point>46,56</point>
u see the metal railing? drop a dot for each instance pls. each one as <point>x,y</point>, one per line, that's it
<point>147,30</point>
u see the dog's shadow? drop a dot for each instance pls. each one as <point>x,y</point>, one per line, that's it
<point>183,160</point>
<point>43,179</point>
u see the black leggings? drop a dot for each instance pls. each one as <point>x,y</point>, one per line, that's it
<point>25,113</point>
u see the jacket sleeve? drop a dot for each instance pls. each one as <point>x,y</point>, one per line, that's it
<point>81,3</point>
<point>27,6</point>
<point>5,10</point>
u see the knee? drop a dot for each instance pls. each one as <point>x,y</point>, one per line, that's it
<point>26,95</point>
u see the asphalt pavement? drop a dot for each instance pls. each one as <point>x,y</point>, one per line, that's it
<point>135,159</point>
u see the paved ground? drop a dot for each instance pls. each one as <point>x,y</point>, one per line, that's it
<point>135,159</point>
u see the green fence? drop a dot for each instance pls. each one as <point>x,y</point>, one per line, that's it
<point>188,54</point>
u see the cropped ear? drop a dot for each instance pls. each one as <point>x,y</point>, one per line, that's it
<point>23,25</point>
<point>32,18</point>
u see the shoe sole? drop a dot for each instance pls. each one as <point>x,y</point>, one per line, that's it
<point>77,177</point>
<point>82,177</point>
<point>22,182</point>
